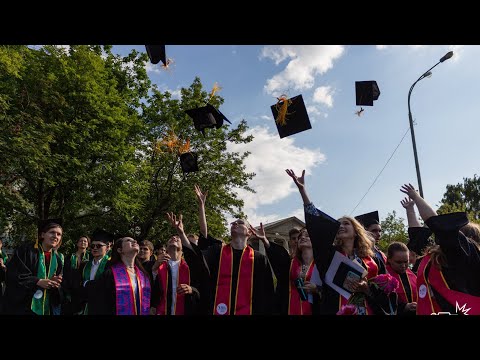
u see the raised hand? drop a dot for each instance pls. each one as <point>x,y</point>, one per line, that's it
<point>176,223</point>
<point>410,191</point>
<point>260,234</point>
<point>407,203</point>
<point>201,197</point>
<point>299,181</point>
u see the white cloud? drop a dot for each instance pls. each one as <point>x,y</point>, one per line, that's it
<point>323,95</point>
<point>152,68</point>
<point>176,94</point>
<point>306,61</point>
<point>381,47</point>
<point>269,158</point>
<point>313,110</point>
<point>265,117</point>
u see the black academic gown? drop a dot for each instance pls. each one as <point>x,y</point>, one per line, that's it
<point>418,241</point>
<point>323,230</point>
<point>462,268</point>
<point>281,261</point>
<point>21,281</point>
<point>263,293</point>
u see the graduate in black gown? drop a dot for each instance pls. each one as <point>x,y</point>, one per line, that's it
<point>298,287</point>
<point>249,293</point>
<point>348,237</point>
<point>34,274</point>
<point>124,287</point>
<point>176,282</point>
<point>449,273</point>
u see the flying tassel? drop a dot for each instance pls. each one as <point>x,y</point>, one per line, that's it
<point>216,88</point>
<point>167,65</point>
<point>184,148</point>
<point>282,107</point>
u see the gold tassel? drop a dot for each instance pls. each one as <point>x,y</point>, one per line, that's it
<point>214,90</point>
<point>184,148</point>
<point>282,107</point>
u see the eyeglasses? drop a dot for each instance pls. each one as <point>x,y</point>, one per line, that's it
<point>97,246</point>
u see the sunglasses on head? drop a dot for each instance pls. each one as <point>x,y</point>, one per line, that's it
<point>97,246</point>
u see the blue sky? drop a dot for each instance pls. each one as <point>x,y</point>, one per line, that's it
<point>342,153</point>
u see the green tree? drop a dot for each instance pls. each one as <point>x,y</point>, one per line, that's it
<point>463,197</point>
<point>393,229</point>
<point>79,129</point>
<point>68,128</point>
<point>165,188</point>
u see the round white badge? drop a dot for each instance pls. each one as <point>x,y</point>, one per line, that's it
<point>422,291</point>
<point>38,294</point>
<point>222,309</point>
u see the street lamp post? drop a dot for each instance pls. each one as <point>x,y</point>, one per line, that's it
<point>412,132</point>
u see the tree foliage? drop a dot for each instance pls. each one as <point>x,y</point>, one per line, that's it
<point>78,131</point>
<point>463,197</point>
<point>393,229</point>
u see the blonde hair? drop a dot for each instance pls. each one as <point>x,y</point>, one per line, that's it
<point>362,242</point>
<point>472,231</point>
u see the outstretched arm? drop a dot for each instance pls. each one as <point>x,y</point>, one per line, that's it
<point>178,225</point>
<point>202,219</point>
<point>425,210</point>
<point>408,204</point>
<point>300,182</point>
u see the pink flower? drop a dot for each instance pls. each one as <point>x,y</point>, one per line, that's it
<point>386,282</point>
<point>348,310</point>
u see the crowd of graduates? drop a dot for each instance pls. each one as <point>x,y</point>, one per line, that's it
<point>436,272</point>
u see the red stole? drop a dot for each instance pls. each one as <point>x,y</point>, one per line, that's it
<point>182,278</point>
<point>243,303</point>
<point>412,283</point>
<point>372,271</point>
<point>427,305</point>
<point>295,305</point>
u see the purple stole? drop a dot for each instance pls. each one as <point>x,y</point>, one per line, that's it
<point>125,297</point>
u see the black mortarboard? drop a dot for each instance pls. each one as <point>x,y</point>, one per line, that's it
<point>368,219</point>
<point>102,236</point>
<point>366,92</point>
<point>296,118</point>
<point>188,161</point>
<point>156,53</point>
<point>206,117</point>
<point>419,239</point>
<point>43,224</point>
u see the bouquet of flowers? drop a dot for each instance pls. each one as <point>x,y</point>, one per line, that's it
<point>384,283</point>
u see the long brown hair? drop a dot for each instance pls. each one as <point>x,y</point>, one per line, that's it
<point>362,243</point>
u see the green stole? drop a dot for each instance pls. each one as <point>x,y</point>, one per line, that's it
<point>41,299</point>
<point>4,256</point>
<point>86,273</point>
<point>73,259</point>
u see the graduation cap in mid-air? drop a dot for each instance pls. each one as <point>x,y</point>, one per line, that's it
<point>290,116</point>
<point>156,53</point>
<point>189,162</point>
<point>102,236</point>
<point>366,92</point>
<point>206,117</point>
<point>368,219</point>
